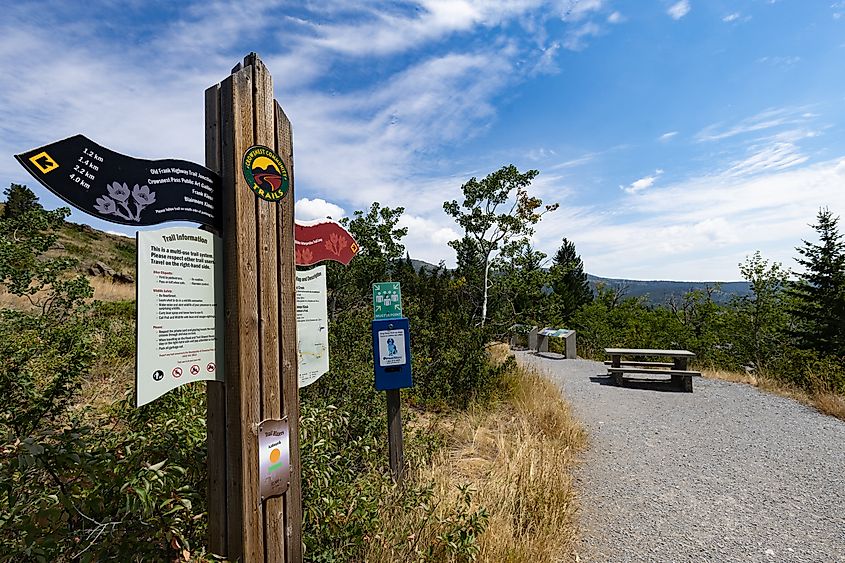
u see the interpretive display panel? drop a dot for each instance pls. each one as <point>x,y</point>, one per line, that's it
<point>312,324</point>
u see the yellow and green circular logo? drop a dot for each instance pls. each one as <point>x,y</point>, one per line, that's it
<point>265,173</point>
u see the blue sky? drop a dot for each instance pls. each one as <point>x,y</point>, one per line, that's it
<point>677,136</point>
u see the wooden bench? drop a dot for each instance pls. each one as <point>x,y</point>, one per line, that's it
<point>676,370</point>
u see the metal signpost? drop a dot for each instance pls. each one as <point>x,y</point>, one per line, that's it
<point>391,363</point>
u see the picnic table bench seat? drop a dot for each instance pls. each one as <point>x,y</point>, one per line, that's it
<point>643,364</point>
<point>676,369</point>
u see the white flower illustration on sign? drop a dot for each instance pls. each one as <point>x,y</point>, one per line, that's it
<point>119,196</point>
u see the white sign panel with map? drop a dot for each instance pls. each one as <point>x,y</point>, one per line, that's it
<point>180,310</point>
<point>312,324</point>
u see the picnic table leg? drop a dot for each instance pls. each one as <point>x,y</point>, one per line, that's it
<point>615,362</point>
<point>682,381</point>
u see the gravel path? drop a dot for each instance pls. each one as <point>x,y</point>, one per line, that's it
<point>727,473</point>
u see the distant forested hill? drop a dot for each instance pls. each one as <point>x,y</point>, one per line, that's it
<point>658,292</point>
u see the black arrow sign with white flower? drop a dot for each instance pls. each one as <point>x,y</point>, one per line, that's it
<point>122,189</point>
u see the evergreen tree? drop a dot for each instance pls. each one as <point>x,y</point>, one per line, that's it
<point>569,281</point>
<point>818,296</point>
<point>19,200</point>
<point>520,295</point>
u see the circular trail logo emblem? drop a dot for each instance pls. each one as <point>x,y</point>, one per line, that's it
<point>265,173</point>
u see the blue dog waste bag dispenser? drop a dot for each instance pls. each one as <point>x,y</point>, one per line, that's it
<point>392,353</point>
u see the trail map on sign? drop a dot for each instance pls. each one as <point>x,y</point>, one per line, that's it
<point>312,324</point>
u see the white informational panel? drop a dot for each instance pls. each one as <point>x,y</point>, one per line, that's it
<point>391,348</point>
<point>312,324</point>
<point>179,310</point>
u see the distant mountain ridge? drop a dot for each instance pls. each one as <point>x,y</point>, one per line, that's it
<point>658,292</point>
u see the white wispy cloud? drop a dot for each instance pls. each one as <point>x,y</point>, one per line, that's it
<point>428,237</point>
<point>780,61</point>
<point>768,119</point>
<point>679,9</point>
<point>767,158</point>
<point>615,17</point>
<point>700,228</point>
<point>538,154</point>
<point>572,163</point>
<point>576,39</point>
<point>736,17</point>
<point>576,10</point>
<point>667,136</point>
<point>643,183</point>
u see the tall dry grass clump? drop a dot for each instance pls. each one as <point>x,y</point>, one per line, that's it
<point>514,462</point>
<point>106,289</point>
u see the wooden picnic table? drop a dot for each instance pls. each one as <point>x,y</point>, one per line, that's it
<point>676,369</point>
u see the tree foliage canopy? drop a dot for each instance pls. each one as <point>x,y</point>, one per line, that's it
<point>818,295</point>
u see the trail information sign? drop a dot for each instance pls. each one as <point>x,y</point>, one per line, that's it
<point>121,189</point>
<point>312,324</point>
<point>387,300</point>
<point>179,312</point>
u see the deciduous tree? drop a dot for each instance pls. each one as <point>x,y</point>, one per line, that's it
<point>496,210</point>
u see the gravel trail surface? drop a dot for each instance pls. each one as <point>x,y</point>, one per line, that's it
<point>726,473</point>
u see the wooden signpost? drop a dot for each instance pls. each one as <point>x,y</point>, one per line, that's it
<point>246,193</point>
<point>260,319</point>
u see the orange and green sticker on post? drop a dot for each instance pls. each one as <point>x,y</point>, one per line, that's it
<point>265,173</point>
<point>273,458</point>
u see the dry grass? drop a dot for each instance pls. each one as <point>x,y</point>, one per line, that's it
<point>105,289</point>
<point>822,399</point>
<point>517,458</point>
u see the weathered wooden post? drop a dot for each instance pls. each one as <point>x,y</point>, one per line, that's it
<point>260,325</point>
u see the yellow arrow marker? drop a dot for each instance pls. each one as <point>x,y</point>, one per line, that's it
<point>44,162</point>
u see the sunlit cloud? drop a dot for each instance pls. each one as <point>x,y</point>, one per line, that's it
<point>642,184</point>
<point>317,208</point>
<point>679,9</point>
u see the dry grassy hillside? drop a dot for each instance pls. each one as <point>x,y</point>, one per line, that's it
<point>90,247</point>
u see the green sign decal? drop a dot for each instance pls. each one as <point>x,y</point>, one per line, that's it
<point>387,300</point>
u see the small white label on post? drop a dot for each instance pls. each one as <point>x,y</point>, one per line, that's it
<point>391,348</point>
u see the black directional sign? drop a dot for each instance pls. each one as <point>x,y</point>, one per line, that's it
<point>122,189</point>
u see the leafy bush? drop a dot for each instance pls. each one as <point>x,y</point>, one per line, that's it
<point>75,484</point>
